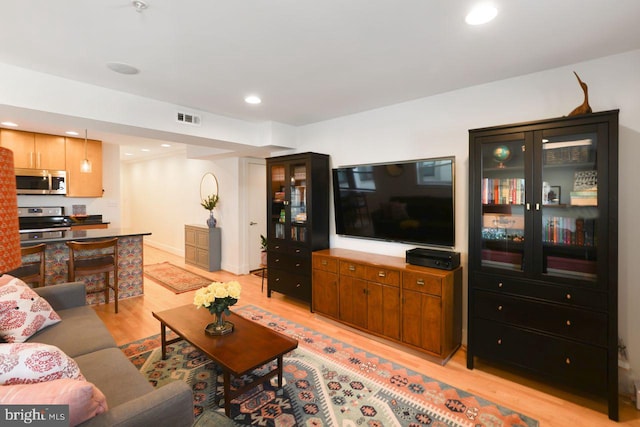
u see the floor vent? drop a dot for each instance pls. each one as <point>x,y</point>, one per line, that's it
<point>190,119</point>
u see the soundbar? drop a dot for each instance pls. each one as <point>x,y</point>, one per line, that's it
<point>444,260</point>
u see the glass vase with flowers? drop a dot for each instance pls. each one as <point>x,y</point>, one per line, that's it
<point>217,298</point>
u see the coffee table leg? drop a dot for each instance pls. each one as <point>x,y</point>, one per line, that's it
<point>280,371</point>
<point>163,340</point>
<point>227,389</point>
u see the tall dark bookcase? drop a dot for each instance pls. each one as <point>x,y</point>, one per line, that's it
<point>543,251</point>
<point>298,220</point>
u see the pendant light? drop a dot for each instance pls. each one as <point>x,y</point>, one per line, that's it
<point>85,166</point>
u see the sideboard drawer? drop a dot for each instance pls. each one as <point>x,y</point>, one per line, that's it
<point>422,282</point>
<point>325,263</point>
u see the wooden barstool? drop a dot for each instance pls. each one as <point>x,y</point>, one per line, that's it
<point>31,271</point>
<point>87,258</point>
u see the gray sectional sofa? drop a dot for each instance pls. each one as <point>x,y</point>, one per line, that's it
<point>132,401</point>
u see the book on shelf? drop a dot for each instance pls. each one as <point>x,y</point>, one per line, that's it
<point>505,191</point>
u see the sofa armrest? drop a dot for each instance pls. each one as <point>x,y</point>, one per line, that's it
<point>170,405</point>
<point>64,295</point>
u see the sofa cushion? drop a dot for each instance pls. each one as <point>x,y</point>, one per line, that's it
<point>116,376</point>
<point>22,311</point>
<point>85,400</point>
<point>80,332</point>
<point>25,363</point>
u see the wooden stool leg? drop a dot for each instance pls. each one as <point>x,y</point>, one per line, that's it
<point>115,288</point>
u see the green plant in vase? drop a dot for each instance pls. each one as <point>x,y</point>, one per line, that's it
<point>209,204</point>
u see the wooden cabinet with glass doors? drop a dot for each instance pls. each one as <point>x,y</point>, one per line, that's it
<point>543,250</point>
<point>298,220</point>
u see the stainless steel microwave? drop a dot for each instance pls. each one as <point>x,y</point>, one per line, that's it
<point>41,181</point>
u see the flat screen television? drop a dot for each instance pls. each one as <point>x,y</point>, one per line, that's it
<point>408,202</point>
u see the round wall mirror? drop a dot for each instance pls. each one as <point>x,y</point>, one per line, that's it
<point>208,185</point>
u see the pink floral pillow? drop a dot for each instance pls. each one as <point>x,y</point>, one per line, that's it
<point>22,311</point>
<point>85,400</point>
<point>26,363</point>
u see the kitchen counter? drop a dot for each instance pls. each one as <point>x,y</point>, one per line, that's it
<point>99,233</point>
<point>130,260</point>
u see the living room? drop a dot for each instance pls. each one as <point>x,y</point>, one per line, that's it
<point>161,194</point>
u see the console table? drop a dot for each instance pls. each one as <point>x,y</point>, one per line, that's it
<point>202,246</point>
<point>416,306</point>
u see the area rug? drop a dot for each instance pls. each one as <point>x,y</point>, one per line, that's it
<point>326,383</point>
<point>175,278</point>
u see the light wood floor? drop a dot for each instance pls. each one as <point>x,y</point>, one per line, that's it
<point>550,406</point>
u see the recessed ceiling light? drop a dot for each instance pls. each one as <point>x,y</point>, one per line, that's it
<point>128,154</point>
<point>122,68</point>
<point>72,132</point>
<point>10,124</point>
<point>252,99</point>
<point>145,149</point>
<point>165,145</point>
<point>481,14</point>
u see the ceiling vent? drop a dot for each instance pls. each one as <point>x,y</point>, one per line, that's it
<point>190,119</point>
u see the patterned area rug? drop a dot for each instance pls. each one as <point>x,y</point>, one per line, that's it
<point>175,278</point>
<point>326,383</point>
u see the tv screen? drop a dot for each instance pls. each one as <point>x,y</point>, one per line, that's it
<point>410,202</point>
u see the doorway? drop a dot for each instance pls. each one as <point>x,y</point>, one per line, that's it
<point>257,208</point>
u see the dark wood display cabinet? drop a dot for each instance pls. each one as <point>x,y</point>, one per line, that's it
<point>298,220</point>
<point>543,250</point>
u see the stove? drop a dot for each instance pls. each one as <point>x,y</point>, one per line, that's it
<point>42,222</point>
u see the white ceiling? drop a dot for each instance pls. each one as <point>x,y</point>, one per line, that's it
<point>308,60</point>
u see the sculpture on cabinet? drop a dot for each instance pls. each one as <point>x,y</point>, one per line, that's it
<point>583,108</point>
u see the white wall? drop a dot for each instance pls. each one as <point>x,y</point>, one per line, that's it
<point>438,126</point>
<point>163,194</point>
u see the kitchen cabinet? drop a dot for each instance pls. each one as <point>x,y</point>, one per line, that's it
<point>202,246</point>
<point>83,184</point>
<point>298,220</point>
<point>543,250</point>
<point>35,150</point>
<point>416,306</point>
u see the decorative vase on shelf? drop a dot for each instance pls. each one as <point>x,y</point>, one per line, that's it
<point>219,326</point>
<point>211,221</point>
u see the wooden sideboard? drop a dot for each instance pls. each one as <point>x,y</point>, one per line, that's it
<point>416,306</point>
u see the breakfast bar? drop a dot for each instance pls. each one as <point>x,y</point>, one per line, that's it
<point>130,259</point>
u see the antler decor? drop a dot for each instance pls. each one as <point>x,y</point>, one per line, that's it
<point>583,108</point>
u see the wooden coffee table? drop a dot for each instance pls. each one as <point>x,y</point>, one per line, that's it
<point>248,347</point>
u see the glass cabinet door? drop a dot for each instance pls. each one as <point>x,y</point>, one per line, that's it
<point>503,203</point>
<point>569,208</point>
<point>278,208</point>
<point>298,201</point>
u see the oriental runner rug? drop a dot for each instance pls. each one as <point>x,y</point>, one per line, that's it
<point>326,383</point>
<point>174,278</point>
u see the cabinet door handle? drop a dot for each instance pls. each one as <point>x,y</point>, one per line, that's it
<point>382,274</point>
<point>568,322</point>
<point>499,308</point>
<point>567,361</point>
<point>324,262</point>
<point>298,285</point>
<point>568,296</point>
<point>352,268</point>
<point>499,284</point>
<point>499,341</point>
<point>420,282</point>
<point>297,251</point>
<point>528,206</point>
<point>297,264</point>
<point>277,260</point>
<point>537,206</point>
